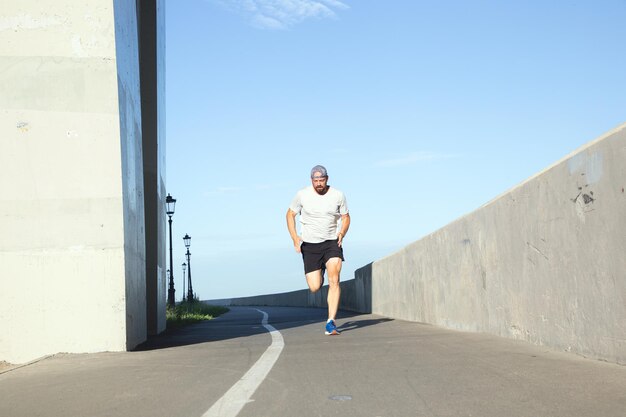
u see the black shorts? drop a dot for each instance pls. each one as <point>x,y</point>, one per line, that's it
<point>315,255</point>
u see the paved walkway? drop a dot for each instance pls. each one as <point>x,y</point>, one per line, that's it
<point>377,367</point>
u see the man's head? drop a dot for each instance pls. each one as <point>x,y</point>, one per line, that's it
<point>319,179</point>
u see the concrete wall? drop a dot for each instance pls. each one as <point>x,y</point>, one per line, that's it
<point>152,60</point>
<point>134,240</point>
<point>72,246</point>
<point>542,263</point>
<point>355,296</point>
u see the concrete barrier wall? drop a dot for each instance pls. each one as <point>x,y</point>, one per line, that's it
<point>544,262</point>
<point>352,296</point>
<point>72,245</point>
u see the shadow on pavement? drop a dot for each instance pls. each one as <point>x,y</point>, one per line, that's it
<point>357,324</point>
<point>246,321</point>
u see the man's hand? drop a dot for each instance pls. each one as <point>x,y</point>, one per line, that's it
<point>297,244</point>
<point>291,226</point>
<point>345,225</point>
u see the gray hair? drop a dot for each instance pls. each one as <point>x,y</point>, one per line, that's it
<point>320,169</point>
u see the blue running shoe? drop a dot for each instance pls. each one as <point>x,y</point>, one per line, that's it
<point>331,329</point>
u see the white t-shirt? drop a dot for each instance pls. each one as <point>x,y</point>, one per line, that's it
<point>319,214</point>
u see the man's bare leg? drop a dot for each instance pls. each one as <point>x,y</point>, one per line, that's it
<point>333,268</point>
<point>314,280</point>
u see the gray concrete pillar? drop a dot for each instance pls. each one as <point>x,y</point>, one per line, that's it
<point>72,208</point>
<point>151,15</point>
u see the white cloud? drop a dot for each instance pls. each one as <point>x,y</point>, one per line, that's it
<point>268,187</point>
<point>412,158</point>
<point>282,14</point>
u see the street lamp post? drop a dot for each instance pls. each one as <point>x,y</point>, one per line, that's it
<point>170,204</point>
<point>167,275</point>
<point>187,240</point>
<point>184,277</point>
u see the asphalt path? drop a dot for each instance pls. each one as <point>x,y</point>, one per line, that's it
<point>288,367</point>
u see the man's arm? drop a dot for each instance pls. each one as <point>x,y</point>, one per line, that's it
<point>291,226</point>
<point>345,225</point>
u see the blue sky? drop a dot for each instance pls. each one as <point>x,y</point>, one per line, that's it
<point>421,111</point>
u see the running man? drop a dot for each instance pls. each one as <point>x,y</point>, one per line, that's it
<point>321,208</point>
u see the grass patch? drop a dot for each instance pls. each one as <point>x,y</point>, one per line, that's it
<point>186,313</point>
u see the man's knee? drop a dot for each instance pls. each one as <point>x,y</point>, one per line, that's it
<point>333,284</point>
<point>314,280</point>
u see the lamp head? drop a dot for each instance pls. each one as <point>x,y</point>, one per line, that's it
<point>170,205</point>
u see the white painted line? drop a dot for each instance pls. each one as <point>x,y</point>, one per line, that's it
<point>239,394</point>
